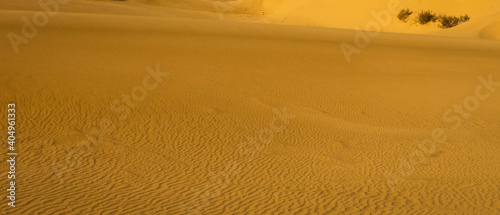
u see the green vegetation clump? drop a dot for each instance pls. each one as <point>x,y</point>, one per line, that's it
<point>404,14</point>
<point>448,21</point>
<point>426,16</point>
<point>465,18</point>
<point>452,21</point>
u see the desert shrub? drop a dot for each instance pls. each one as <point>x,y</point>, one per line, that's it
<point>426,16</point>
<point>452,21</point>
<point>404,14</point>
<point>448,21</point>
<point>464,18</point>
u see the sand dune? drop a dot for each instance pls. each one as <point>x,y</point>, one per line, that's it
<point>482,28</point>
<point>252,117</point>
<point>352,14</point>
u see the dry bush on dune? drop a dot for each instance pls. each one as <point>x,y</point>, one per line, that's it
<point>426,16</point>
<point>464,18</point>
<point>452,21</point>
<point>404,14</point>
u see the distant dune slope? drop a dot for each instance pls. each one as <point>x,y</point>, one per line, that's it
<point>354,14</point>
<point>321,13</point>
<point>487,27</point>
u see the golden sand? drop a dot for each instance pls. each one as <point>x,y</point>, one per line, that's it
<point>250,107</point>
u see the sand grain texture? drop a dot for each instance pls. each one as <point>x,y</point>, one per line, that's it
<point>179,149</point>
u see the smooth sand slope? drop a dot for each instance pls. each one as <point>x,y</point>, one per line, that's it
<point>356,14</point>
<point>330,137</point>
